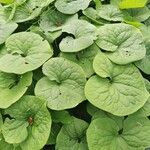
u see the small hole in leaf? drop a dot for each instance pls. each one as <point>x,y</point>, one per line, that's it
<point>110,79</point>
<point>102,50</point>
<point>26,63</point>
<point>35,8</point>
<point>79,140</point>
<point>77,56</point>
<point>120,131</point>
<point>43,39</point>
<point>125,117</point>
<point>58,83</point>
<point>59,93</point>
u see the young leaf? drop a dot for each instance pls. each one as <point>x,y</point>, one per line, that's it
<point>63,86</point>
<point>27,51</point>
<point>120,91</point>
<point>138,14</point>
<point>125,4</point>
<point>71,6</point>
<point>13,87</point>
<point>72,136</point>
<point>6,1</point>
<point>123,43</point>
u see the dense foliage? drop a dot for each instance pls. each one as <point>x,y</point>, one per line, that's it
<point>74,74</point>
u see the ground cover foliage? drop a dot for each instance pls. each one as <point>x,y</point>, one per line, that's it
<point>74,74</point>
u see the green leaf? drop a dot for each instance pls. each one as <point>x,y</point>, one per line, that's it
<point>61,117</point>
<point>145,62</point>
<point>4,145</point>
<point>102,65</point>
<point>22,13</point>
<point>84,33</point>
<point>147,83</point>
<point>134,23</point>
<point>106,133</point>
<point>110,13</point>
<point>53,20</point>
<point>53,134</point>
<point>71,6</point>
<point>6,1</point>
<point>125,4</point>
<point>138,14</point>
<point>52,36</point>
<point>27,51</point>
<point>84,58</point>
<point>98,113</point>
<point>25,11</point>
<point>33,111</point>
<point>123,43</point>
<point>49,36</point>
<point>98,3</point>
<point>145,110</point>
<point>14,131</point>
<point>91,109</point>
<point>1,123</point>
<point>13,87</point>
<point>118,89</point>
<point>6,28</point>
<point>72,136</point>
<point>92,14</point>
<point>63,86</point>
<point>115,2</point>
<point>136,132</point>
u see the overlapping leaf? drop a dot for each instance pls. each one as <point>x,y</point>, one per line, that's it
<point>22,11</point>
<point>31,124</point>
<point>106,134</point>
<point>71,6</point>
<point>63,86</point>
<point>26,52</point>
<point>123,43</point>
<point>118,89</point>
<point>84,58</point>
<point>84,35</point>
<point>72,136</point>
<point>13,87</point>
